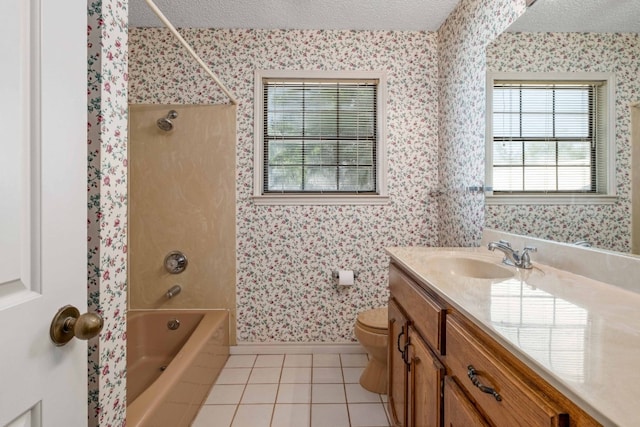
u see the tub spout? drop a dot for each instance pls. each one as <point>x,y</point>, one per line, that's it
<point>173,291</point>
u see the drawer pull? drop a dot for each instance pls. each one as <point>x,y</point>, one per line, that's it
<point>398,343</point>
<point>405,355</point>
<point>471,373</point>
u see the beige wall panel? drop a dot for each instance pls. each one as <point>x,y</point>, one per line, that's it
<point>635,178</point>
<point>182,197</point>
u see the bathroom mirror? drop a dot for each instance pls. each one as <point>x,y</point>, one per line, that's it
<point>579,36</point>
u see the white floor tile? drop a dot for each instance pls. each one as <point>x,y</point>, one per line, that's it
<point>295,375</point>
<point>214,416</point>
<point>326,360</point>
<point>367,415</point>
<point>260,393</point>
<point>298,360</point>
<point>357,394</point>
<point>233,376</point>
<point>253,416</point>
<point>287,415</point>
<point>294,390</point>
<point>294,393</point>
<point>354,360</point>
<point>329,415</point>
<point>269,361</point>
<point>327,393</point>
<point>352,375</point>
<point>225,394</point>
<point>265,376</point>
<point>327,375</point>
<point>240,361</point>
<point>384,398</point>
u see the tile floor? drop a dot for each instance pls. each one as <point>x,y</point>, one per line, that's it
<point>293,390</point>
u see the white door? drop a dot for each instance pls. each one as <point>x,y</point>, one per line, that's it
<point>43,209</point>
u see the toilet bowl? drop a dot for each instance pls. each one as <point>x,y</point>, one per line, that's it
<point>371,329</point>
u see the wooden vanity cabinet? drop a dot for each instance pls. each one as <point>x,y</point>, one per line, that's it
<point>397,381</point>
<point>445,371</point>
<point>415,372</point>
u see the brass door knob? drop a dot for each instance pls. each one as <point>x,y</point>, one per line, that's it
<point>69,323</point>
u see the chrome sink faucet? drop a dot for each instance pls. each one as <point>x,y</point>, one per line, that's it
<point>511,256</point>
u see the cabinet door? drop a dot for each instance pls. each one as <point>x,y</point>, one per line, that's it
<point>426,375</point>
<point>458,409</point>
<point>396,366</point>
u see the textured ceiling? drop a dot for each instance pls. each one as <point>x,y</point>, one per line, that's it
<point>600,16</point>
<point>296,14</point>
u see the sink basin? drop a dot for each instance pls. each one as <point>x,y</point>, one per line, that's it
<point>472,267</point>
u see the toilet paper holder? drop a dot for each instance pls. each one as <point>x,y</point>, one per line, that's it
<point>335,274</point>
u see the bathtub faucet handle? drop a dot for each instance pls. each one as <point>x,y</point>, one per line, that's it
<point>175,262</point>
<point>173,291</point>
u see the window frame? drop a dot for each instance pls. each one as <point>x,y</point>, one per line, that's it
<point>260,198</point>
<point>608,196</point>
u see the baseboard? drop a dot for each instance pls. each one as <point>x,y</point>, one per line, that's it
<point>295,348</point>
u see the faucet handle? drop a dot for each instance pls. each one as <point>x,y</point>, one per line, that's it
<point>525,259</point>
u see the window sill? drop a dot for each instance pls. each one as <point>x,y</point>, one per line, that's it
<point>319,200</point>
<point>549,199</point>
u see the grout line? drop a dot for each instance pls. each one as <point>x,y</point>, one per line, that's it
<point>344,388</point>
<point>243,391</point>
<point>235,412</point>
<point>275,400</point>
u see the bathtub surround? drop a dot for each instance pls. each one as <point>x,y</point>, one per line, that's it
<point>635,177</point>
<point>462,42</point>
<point>285,254</point>
<point>606,226</point>
<point>182,197</point>
<point>107,207</point>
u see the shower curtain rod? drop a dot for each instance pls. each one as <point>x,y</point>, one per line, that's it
<point>184,43</point>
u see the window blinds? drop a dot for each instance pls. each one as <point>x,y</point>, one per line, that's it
<point>320,136</point>
<point>547,137</point>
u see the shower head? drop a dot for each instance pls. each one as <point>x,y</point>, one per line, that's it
<point>165,123</point>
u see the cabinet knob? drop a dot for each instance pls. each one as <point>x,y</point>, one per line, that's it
<point>473,376</point>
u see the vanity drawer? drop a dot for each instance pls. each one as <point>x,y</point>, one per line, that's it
<point>427,315</point>
<point>515,403</point>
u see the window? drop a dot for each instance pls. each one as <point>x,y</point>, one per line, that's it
<point>550,138</point>
<point>319,138</point>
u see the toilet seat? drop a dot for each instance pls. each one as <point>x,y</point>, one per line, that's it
<point>375,320</point>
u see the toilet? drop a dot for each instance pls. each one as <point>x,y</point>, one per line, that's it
<point>371,329</point>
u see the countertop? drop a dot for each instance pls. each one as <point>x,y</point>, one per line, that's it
<point>579,334</point>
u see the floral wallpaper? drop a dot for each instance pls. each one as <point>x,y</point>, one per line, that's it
<point>285,254</point>
<point>462,42</point>
<point>107,206</point>
<point>435,136</point>
<point>606,226</point>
